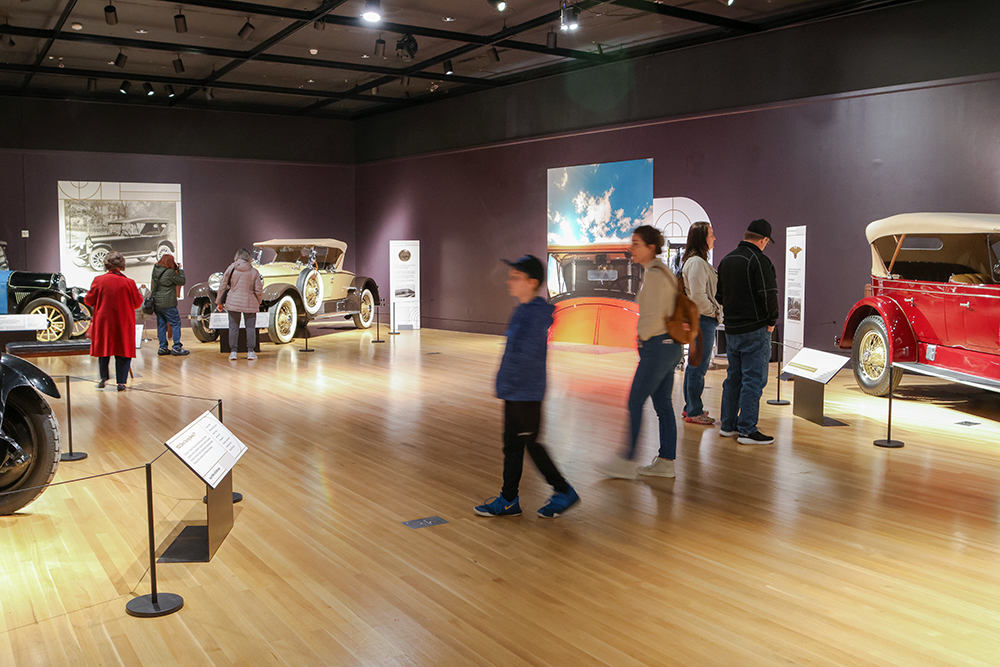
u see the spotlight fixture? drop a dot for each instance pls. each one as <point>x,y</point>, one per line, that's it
<point>6,41</point>
<point>179,65</point>
<point>373,11</point>
<point>405,80</point>
<point>448,69</point>
<point>314,52</point>
<point>77,26</point>
<point>492,55</point>
<point>120,60</point>
<point>208,94</point>
<point>111,15</point>
<point>406,47</point>
<point>499,5</point>
<point>374,90</point>
<point>91,85</point>
<point>569,18</point>
<point>169,90</point>
<point>123,89</point>
<point>380,47</point>
<point>180,23</point>
<point>148,87</point>
<point>245,31</point>
<point>319,25</point>
<point>727,3</point>
<point>551,39</point>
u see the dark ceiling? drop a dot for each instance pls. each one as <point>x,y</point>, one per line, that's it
<point>320,58</point>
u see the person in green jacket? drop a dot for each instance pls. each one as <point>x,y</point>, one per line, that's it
<point>167,275</point>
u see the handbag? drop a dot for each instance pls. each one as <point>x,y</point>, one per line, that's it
<point>684,324</point>
<point>148,305</point>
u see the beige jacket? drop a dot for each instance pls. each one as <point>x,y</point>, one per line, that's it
<point>656,300</point>
<point>700,283</point>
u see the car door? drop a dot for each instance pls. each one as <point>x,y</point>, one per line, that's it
<point>924,304</point>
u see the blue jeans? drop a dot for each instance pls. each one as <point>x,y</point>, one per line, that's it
<point>654,377</point>
<point>164,317</point>
<point>749,355</point>
<point>694,376</point>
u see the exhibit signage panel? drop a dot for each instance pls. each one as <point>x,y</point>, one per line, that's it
<point>37,322</point>
<point>220,320</point>
<point>208,448</point>
<point>404,285</point>
<point>815,365</point>
<point>795,287</point>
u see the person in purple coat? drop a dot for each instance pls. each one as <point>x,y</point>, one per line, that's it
<point>521,385</point>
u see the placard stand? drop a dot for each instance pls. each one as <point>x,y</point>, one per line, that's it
<point>70,455</point>
<point>378,337</point>
<point>813,370</point>
<point>809,396</point>
<point>777,380</point>
<point>155,604</point>
<point>888,442</point>
<point>197,544</point>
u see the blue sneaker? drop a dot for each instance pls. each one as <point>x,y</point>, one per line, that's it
<point>499,507</point>
<point>559,503</point>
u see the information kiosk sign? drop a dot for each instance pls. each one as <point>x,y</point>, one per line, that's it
<point>208,448</point>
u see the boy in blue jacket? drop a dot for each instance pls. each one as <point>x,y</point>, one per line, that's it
<point>521,386</point>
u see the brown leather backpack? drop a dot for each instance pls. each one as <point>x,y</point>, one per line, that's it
<point>684,326</point>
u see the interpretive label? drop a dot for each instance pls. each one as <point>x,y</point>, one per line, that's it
<point>795,287</point>
<point>404,285</point>
<point>208,448</point>
<point>23,322</point>
<point>815,365</point>
<point>219,320</point>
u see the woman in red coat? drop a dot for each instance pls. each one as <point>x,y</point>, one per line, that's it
<point>114,298</point>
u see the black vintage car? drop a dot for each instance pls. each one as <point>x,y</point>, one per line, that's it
<point>135,238</point>
<point>27,292</point>
<point>29,437</point>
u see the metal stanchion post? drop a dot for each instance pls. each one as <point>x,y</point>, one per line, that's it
<point>394,328</point>
<point>888,442</point>
<point>156,604</point>
<point>305,330</point>
<point>378,330</point>
<point>781,362</point>
<point>70,455</point>
<point>237,497</point>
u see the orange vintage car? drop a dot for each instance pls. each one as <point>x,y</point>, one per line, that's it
<point>593,289</point>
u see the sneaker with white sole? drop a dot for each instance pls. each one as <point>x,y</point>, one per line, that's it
<point>251,356</point>
<point>499,506</point>
<point>728,434</point>
<point>232,356</point>
<point>618,468</point>
<point>755,438</point>
<point>658,468</point>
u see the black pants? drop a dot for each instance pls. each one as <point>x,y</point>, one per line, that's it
<point>121,368</point>
<point>521,420</point>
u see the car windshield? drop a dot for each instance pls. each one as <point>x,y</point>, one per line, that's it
<point>994,247</point>
<point>936,257</point>
<point>4,266</point>
<point>153,228</point>
<point>592,272</point>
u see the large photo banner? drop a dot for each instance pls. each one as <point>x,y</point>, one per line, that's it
<point>142,221</point>
<point>592,210</point>
<point>795,287</point>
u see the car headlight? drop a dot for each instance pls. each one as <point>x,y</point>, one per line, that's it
<point>215,282</point>
<point>62,284</point>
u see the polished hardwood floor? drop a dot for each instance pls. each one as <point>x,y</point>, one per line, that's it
<point>817,550</point>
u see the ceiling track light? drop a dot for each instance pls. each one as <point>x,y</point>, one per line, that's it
<point>179,65</point>
<point>209,95</point>
<point>448,69</point>
<point>498,5</point>
<point>319,25</point>
<point>6,41</point>
<point>380,47</point>
<point>551,39</point>
<point>91,85</point>
<point>373,11</point>
<point>406,47</point>
<point>180,23</point>
<point>120,60</point>
<point>569,18</point>
<point>405,80</point>
<point>111,15</point>
<point>169,90</point>
<point>123,89</point>
<point>374,90</point>
<point>148,87</point>
<point>493,55</point>
<point>246,31</point>
<point>727,3</point>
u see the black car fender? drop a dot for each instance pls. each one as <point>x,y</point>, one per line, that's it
<point>201,292</point>
<point>20,373</point>
<point>67,301</point>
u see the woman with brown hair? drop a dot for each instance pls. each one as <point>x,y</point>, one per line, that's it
<point>167,277</point>
<point>114,298</point>
<point>700,283</point>
<point>658,358</point>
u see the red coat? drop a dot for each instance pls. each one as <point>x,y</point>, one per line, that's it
<point>114,298</point>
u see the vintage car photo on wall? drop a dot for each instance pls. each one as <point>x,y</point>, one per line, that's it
<point>934,307</point>
<point>304,279</point>
<point>31,293</point>
<point>137,239</point>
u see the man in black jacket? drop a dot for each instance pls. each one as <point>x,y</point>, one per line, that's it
<point>748,292</point>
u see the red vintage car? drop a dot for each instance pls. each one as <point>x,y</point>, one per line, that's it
<point>934,306</point>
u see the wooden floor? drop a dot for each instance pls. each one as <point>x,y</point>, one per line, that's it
<point>818,550</point>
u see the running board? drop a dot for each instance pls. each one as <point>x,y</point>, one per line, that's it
<point>951,376</point>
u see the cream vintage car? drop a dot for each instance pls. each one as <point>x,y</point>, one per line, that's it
<point>304,279</point>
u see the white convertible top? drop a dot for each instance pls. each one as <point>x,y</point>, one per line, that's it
<point>303,243</point>
<point>933,223</point>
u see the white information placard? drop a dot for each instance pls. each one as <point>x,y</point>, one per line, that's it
<point>208,448</point>
<point>23,322</point>
<point>219,320</point>
<point>815,365</point>
<point>795,287</point>
<point>404,285</point>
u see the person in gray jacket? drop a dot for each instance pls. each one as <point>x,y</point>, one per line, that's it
<point>700,284</point>
<point>167,276</point>
<point>240,293</point>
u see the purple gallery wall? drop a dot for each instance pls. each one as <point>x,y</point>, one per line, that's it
<point>833,164</point>
<point>226,203</point>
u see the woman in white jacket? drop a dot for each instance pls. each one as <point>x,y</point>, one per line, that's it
<point>700,281</point>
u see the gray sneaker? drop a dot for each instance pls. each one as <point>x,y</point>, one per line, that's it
<point>755,438</point>
<point>251,356</point>
<point>232,356</point>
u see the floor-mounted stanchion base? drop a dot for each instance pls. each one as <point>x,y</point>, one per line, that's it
<point>889,444</point>
<point>237,497</point>
<point>144,607</point>
<point>778,401</point>
<point>73,456</point>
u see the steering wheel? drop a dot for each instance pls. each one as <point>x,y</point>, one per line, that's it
<point>623,279</point>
